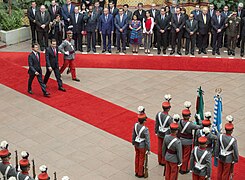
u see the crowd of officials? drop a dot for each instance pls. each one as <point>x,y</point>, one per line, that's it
<point>185,145</point>
<point>168,26</point>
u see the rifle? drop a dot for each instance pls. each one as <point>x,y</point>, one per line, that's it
<point>33,169</point>
<point>55,177</point>
<point>16,161</point>
<point>146,166</point>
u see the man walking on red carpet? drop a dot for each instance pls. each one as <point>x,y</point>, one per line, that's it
<point>141,142</point>
<point>35,70</point>
<point>172,150</point>
<point>163,121</point>
<point>67,48</point>
<point>186,136</point>
<point>227,152</point>
<point>201,161</point>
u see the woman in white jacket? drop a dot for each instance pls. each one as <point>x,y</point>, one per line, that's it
<point>148,24</point>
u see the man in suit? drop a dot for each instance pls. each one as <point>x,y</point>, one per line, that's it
<point>242,36</point>
<point>35,70</point>
<point>77,21</point>
<point>106,28</point>
<point>114,11</point>
<point>197,11</point>
<point>240,14</point>
<point>66,10</point>
<point>91,28</point>
<point>87,3</point>
<point>31,12</point>
<point>154,13</point>
<point>191,27</point>
<point>162,24</point>
<point>52,64</point>
<point>140,12</point>
<point>129,15</point>
<point>98,10</point>
<point>53,10</point>
<point>211,11</point>
<point>121,24</point>
<point>218,24</point>
<point>42,21</point>
<point>102,3</point>
<point>177,22</point>
<point>203,30</point>
<point>225,13</point>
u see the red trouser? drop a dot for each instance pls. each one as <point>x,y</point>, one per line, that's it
<point>171,172</point>
<point>161,158</point>
<point>72,67</point>
<point>197,177</point>
<point>224,171</point>
<point>186,153</point>
<point>139,161</point>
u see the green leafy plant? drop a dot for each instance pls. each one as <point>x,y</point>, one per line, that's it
<point>230,3</point>
<point>10,22</point>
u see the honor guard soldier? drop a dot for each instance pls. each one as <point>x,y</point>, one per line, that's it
<point>65,178</point>
<point>25,167</point>
<point>201,161</point>
<point>43,175</point>
<point>227,152</point>
<point>163,121</point>
<point>141,142</point>
<point>5,167</point>
<point>211,138</point>
<point>172,150</point>
<point>186,136</point>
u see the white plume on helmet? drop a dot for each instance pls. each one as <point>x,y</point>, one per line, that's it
<point>168,97</point>
<point>207,114</point>
<point>176,116</point>
<point>229,118</point>
<point>187,104</point>
<point>65,178</point>
<point>4,145</point>
<point>24,154</point>
<point>141,109</point>
<point>206,130</point>
<point>43,168</point>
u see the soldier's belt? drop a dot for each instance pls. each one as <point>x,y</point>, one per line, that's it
<point>186,136</point>
<point>171,151</point>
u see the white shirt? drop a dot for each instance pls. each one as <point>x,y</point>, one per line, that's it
<point>34,11</point>
<point>76,17</point>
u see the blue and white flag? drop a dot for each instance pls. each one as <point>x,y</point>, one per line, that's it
<point>217,123</point>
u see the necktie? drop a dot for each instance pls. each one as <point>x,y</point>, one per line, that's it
<point>37,56</point>
<point>106,18</point>
<point>163,18</point>
<point>54,51</point>
<point>42,16</point>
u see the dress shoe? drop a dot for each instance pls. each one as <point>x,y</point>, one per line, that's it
<point>161,164</point>
<point>78,80</point>
<point>46,94</point>
<point>204,51</point>
<point>109,51</point>
<point>179,53</point>
<point>172,52</point>
<point>192,53</point>
<point>242,54</point>
<point>164,51</point>
<point>199,52</point>
<point>229,52</point>
<point>88,50</point>
<point>103,50</point>
<point>218,52</point>
<point>30,92</point>
<point>186,53</point>
<point>118,51</point>
<point>94,50</point>
<point>233,53</point>
<point>158,51</point>
<point>68,71</point>
<point>124,52</point>
<point>62,89</point>
<point>213,52</point>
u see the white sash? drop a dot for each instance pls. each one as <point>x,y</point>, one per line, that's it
<point>70,44</point>
<point>199,164</point>
<point>186,125</point>
<point>162,126</point>
<point>224,151</point>
<point>171,143</point>
<point>138,138</point>
<point>7,171</point>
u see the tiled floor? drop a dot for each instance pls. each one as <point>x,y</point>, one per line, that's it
<point>74,148</point>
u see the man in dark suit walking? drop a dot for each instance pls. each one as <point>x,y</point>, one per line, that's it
<point>191,27</point>
<point>91,27</point>
<point>66,10</point>
<point>35,70</point>
<point>162,25</point>
<point>240,14</point>
<point>106,28</point>
<point>218,24</point>
<point>31,12</point>
<point>42,21</point>
<point>77,21</point>
<point>52,64</point>
<point>203,30</point>
<point>129,15</point>
<point>53,10</point>
<point>121,23</point>
<point>177,22</point>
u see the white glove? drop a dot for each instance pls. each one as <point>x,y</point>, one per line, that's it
<point>148,152</point>
<point>67,53</point>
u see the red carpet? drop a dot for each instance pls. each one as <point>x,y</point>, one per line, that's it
<point>88,108</point>
<point>183,63</point>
